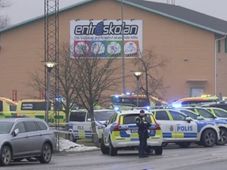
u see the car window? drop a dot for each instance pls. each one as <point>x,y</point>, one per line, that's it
<point>205,113</point>
<point>78,116</point>
<point>177,115</point>
<point>190,114</point>
<point>5,127</point>
<point>220,113</point>
<point>30,126</point>
<point>161,115</point>
<point>103,115</point>
<point>131,119</point>
<point>20,126</point>
<point>41,125</point>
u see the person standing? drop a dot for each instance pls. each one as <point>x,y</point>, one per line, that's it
<point>143,126</point>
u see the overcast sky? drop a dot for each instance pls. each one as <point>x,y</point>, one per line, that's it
<point>22,10</point>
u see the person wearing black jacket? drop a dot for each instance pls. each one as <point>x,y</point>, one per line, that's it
<point>143,126</point>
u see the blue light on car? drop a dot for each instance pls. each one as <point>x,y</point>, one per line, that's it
<point>176,105</point>
<point>116,108</point>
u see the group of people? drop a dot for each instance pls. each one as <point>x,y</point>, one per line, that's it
<point>143,126</point>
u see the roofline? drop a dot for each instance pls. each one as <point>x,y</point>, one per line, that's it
<point>174,18</point>
<point>42,16</point>
<point>120,1</point>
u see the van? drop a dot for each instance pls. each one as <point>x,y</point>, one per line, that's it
<point>79,123</point>
<point>36,108</point>
<point>7,108</point>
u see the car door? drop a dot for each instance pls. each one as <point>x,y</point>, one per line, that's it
<point>34,137</point>
<point>182,129</point>
<point>166,125</point>
<point>19,142</point>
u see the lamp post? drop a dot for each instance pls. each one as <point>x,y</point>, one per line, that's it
<point>49,66</point>
<point>137,74</point>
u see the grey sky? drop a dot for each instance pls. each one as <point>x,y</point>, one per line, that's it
<point>22,10</point>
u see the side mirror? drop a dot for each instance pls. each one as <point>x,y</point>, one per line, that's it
<point>188,119</point>
<point>15,132</point>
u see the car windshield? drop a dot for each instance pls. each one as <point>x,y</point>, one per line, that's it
<point>103,115</point>
<point>5,127</point>
<point>220,113</point>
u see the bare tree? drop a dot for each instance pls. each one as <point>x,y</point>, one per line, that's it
<point>150,65</point>
<point>3,19</point>
<point>94,78</point>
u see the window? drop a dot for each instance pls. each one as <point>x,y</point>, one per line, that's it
<point>21,127</point>
<point>161,115</point>
<point>225,45</point>
<point>219,46</point>
<point>1,106</point>
<point>177,115</point>
<point>78,116</point>
<point>34,106</point>
<point>30,126</point>
<point>205,113</point>
<point>196,91</point>
<point>41,125</point>
<point>131,119</point>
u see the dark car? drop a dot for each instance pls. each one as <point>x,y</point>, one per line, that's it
<point>28,138</point>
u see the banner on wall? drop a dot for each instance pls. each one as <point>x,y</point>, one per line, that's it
<point>104,38</point>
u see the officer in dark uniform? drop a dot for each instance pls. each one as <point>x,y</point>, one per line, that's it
<point>143,126</point>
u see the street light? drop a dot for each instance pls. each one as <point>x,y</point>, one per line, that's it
<point>137,74</point>
<point>49,65</point>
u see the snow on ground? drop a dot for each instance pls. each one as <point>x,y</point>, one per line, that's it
<point>69,146</point>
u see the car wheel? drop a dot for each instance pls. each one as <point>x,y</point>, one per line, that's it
<point>104,149</point>
<point>158,150</point>
<point>112,150</point>
<point>223,137</point>
<point>184,144</point>
<point>6,155</point>
<point>209,138</point>
<point>46,153</point>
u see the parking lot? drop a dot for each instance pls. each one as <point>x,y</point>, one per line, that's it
<point>195,157</point>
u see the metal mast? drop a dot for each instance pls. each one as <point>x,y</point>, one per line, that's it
<point>51,48</point>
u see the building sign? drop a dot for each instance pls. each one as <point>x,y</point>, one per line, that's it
<point>104,38</point>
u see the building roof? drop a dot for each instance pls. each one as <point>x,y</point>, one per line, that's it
<point>182,14</point>
<point>174,12</point>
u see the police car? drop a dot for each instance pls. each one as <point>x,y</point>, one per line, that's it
<point>183,130</point>
<point>79,123</point>
<point>222,125</point>
<point>121,132</point>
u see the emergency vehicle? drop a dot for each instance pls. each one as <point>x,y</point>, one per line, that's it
<point>7,108</point>
<point>121,132</point>
<point>79,124</point>
<point>183,130</point>
<point>36,108</point>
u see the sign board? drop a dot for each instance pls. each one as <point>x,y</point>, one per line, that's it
<point>106,38</point>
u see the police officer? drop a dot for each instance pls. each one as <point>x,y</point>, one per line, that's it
<point>143,126</point>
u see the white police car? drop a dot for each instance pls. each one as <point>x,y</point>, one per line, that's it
<point>183,130</point>
<point>121,132</point>
<point>80,123</point>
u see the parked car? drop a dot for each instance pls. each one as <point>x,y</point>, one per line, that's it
<point>222,125</point>
<point>183,130</point>
<point>121,133</point>
<point>80,123</point>
<point>28,138</point>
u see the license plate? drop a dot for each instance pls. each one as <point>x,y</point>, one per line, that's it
<point>134,131</point>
